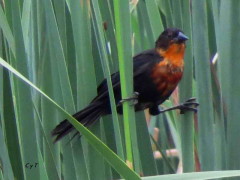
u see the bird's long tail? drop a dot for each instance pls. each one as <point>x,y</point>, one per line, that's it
<point>87,116</point>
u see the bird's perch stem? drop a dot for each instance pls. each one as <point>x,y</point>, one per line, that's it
<point>123,38</point>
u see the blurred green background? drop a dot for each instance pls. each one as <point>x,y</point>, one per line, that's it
<point>66,48</point>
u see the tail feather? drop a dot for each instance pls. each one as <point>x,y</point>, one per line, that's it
<point>87,117</point>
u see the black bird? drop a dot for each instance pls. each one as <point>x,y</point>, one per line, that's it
<point>156,72</point>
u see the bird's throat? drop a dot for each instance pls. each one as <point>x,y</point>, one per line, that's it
<point>173,55</point>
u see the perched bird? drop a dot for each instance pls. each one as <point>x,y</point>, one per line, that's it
<point>156,72</point>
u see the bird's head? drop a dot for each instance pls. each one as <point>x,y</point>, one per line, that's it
<point>169,37</point>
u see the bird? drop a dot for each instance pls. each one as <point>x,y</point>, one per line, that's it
<point>156,74</point>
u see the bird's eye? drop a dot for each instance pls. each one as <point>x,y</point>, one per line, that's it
<point>175,34</point>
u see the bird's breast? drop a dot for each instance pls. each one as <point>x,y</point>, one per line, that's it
<point>166,77</point>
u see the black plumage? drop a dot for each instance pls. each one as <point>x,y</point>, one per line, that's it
<point>100,105</point>
<point>151,70</point>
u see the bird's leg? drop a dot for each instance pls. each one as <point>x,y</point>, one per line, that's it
<point>133,98</point>
<point>189,105</point>
<point>154,110</point>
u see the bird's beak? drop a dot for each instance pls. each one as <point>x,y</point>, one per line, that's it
<point>181,37</point>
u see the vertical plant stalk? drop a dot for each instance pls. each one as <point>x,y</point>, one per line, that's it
<point>186,92</point>
<point>123,38</point>
<point>97,22</point>
<point>228,65</point>
<point>207,152</point>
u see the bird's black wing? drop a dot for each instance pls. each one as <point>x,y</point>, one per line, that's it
<point>143,82</point>
<point>103,88</point>
<point>142,67</point>
<point>144,62</point>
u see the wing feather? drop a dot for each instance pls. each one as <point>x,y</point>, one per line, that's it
<point>143,64</point>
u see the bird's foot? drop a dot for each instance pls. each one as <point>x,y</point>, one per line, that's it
<point>188,105</point>
<point>133,99</point>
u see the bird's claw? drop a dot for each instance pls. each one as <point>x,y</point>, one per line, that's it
<point>189,105</point>
<point>134,99</point>
<point>193,99</point>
